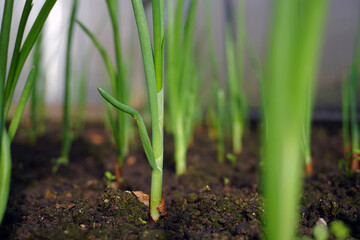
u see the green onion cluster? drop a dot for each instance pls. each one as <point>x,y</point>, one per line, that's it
<point>182,79</point>
<point>9,80</point>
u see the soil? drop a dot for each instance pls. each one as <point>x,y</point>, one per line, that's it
<point>212,201</point>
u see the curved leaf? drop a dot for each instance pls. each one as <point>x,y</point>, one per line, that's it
<point>145,140</point>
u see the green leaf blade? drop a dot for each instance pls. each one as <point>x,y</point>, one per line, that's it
<point>145,140</point>
<point>22,104</point>
<point>5,172</point>
<point>26,48</point>
<point>5,35</point>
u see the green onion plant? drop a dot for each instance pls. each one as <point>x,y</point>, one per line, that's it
<point>290,73</point>
<point>116,73</point>
<point>37,114</point>
<point>235,69</point>
<point>350,124</point>
<point>67,131</point>
<point>153,65</point>
<point>9,80</point>
<point>219,93</point>
<point>306,135</point>
<point>181,76</point>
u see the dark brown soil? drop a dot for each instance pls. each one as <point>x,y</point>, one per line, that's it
<point>212,201</point>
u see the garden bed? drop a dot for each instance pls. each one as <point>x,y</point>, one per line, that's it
<point>211,201</point>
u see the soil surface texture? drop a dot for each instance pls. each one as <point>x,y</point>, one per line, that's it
<point>212,201</point>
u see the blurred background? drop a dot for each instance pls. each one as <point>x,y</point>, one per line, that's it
<point>336,57</point>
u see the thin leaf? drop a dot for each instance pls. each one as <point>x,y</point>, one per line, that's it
<point>67,135</point>
<point>235,109</point>
<point>145,140</point>
<point>5,172</point>
<point>112,121</point>
<point>211,45</point>
<point>163,49</point>
<point>26,48</point>
<point>108,64</point>
<point>36,94</point>
<point>149,67</point>
<point>158,28</point>
<point>19,36</point>
<point>188,47</point>
<point>119,83</point>
<point>5,35</point>
<point>22,104</point>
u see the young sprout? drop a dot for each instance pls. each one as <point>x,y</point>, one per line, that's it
<point>154,149</point>
<point>182,80</point>
<point>9,81</point>
<point>293,55</point>
<point>108,178</point>
<point>235,62</point>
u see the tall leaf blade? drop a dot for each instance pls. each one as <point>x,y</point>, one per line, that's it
<point>25,50</point>
<point>5,172</point>
<point>19,36</point>
<point>5,35</point>
<point>22,104</point>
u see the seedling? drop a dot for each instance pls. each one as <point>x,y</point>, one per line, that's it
<point>182,80</point>
<point>9,81</point>
<point>108,178</point>
<point>153,64</point>
<point>290,73</point>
